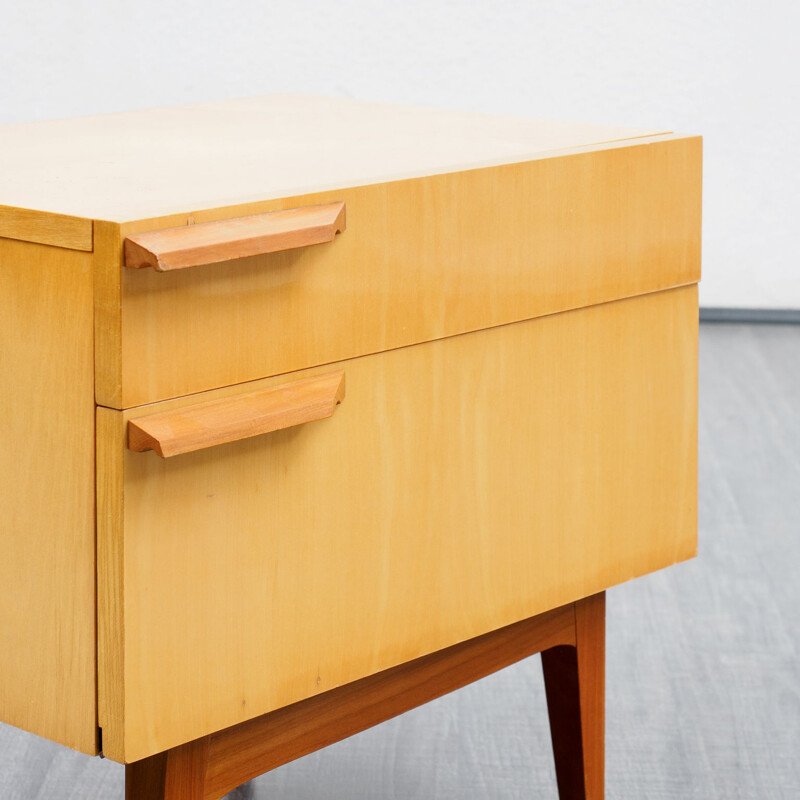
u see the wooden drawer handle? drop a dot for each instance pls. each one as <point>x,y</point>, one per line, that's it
<point>202,425</point>
<point>210,242</point>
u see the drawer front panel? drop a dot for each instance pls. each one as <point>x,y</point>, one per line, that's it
<point>461,485</point>
<point>419,260</point>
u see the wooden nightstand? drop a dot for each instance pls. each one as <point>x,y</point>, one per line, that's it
<point>372,400</point>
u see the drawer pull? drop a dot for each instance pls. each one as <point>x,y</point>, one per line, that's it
<point>225,240</point>
<point>202,425</point>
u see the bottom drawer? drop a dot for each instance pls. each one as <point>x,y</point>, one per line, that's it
<point>460,486</point>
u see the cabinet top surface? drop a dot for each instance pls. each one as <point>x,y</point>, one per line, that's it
<point>142,164</point>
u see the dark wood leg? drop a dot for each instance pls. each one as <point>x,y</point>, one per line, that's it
<point>574,679</point>
<point>177,774</point>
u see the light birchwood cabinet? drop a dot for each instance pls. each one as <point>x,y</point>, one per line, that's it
<point>374,400</point>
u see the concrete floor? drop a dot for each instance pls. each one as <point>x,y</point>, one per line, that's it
<point>703,684</point>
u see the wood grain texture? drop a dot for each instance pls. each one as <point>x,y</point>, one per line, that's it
<point>47,539</point>
<point>58,230</point>
<point>108,241</point>
<point>179,774</point>
<point>574,678</point>
<point>227,240</point>
<point>247,750</point>
<point>110,437</point>
<point>210,767</point>
<point>231,419</point>
<point>590,645</point>
<point>422,259</point>
<point>144,164</point>
<point>313,556</point>
<point>186,771</point>
<point>147,779</point>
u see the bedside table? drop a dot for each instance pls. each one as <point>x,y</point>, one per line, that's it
<point>372,400</point>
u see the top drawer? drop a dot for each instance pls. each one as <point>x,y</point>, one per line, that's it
<point>420,259</point>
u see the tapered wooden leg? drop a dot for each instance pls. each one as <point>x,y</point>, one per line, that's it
<point>574,679</point>
<point>178,774</point>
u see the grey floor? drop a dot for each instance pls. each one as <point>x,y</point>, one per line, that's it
<point>703,687</point>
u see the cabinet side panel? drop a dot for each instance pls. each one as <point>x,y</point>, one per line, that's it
<point>47,568</point>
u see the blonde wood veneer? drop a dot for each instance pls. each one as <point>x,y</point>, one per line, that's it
<point>231,419</point>
<point>218,763</point>
<point>47,536</point>
<point>227,240</point>
<point>487,477</point>
<point>154,162</point>
<point>58,230</point>
<point>421,259</point>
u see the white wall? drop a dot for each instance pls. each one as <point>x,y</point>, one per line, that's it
<point>724,68</point>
